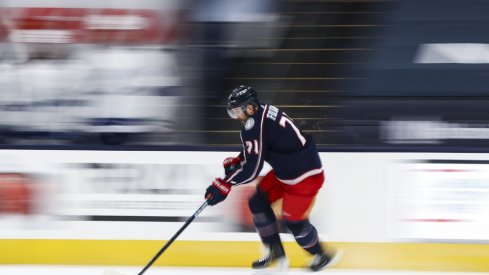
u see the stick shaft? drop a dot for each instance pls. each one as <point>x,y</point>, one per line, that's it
<point>189,220</point>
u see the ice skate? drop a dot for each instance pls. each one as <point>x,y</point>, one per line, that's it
<point>324,260</point>
<point>272,257</point>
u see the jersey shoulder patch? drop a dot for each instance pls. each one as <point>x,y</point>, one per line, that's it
<point>250,122</point>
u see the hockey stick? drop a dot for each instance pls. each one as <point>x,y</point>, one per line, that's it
<point>189,220</point>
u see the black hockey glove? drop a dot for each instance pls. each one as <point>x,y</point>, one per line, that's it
<point>217,191</point>
<point>231,164</point>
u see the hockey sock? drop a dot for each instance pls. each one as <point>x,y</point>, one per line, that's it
<point>264,219</point>
<point>305,235</point>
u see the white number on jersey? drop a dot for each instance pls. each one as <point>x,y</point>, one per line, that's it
<point>284,120</point>
<point>252,147</point>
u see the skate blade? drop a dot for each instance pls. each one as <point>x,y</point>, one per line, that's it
<point>281,267</point>
<point>336,259</point>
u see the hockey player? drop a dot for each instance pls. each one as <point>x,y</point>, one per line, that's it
<point>269,135</point>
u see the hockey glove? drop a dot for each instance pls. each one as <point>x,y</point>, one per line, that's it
<point>231,164</point>
<point>217,191</point>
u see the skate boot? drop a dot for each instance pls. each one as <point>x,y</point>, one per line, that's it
<point>324,260</point>
<point>272,256</point>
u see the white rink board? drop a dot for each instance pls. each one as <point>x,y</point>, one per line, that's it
<point>361,191</point>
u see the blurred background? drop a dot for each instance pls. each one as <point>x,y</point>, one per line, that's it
<point>352,73</point>
<point>107,98</point>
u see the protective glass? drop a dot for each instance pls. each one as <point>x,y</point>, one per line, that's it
<point>235,113</point>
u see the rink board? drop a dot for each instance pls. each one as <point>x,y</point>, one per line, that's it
<point>420,211</point>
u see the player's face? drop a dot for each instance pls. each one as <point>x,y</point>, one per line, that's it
<point>241,114</point>
<point>237,113</point>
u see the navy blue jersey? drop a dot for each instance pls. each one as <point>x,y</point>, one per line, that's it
<point>271,136</point>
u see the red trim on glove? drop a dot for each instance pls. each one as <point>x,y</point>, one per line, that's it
<point>231,161</point>
<point>224,187</point>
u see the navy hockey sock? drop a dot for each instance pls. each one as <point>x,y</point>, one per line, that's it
<point>264,219</point>
<point>306,236</point>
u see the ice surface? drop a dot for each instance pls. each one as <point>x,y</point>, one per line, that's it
<point>116,270</point>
